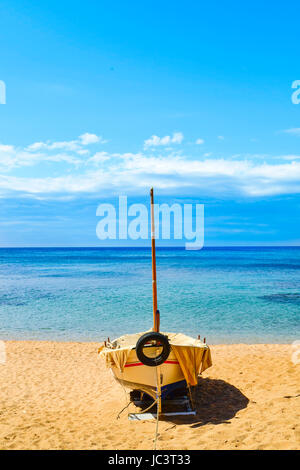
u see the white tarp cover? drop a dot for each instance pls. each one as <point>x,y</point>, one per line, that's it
<point>192,354</point>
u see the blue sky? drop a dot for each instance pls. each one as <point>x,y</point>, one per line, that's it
<point>193,98</point>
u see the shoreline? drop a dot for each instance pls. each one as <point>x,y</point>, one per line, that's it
<point>99,341</point>
<point>59,395</point>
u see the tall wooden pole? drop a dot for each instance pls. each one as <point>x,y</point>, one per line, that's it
<point>154,286</point>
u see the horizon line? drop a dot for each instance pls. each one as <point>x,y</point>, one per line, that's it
<point>146,246</point>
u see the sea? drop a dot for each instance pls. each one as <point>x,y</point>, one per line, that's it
<point>227,295</point>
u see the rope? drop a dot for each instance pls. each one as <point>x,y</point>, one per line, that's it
<point>125,393</point>
<point>118,417</point>
<point>157,410</point>
<point>144,411</point>
<point>128,403</point>
<point>152,404</point>
<point>156,430</point>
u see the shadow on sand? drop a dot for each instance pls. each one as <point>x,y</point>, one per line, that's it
<point>215,401</point>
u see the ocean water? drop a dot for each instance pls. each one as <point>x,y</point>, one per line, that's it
<point>228,295</point>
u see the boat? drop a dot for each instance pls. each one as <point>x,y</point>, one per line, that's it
<point>152,362</point>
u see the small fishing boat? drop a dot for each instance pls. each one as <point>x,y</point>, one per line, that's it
<point>154,362</point>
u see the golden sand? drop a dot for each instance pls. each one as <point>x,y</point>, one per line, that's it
<point>60,396</point>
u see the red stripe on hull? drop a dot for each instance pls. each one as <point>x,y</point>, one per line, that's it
<point>133,364</point>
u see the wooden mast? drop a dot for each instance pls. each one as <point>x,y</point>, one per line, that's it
<point>154,286</point>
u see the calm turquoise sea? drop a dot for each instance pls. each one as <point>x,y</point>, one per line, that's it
<point>229,295</point>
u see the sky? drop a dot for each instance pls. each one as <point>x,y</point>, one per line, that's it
<point>104,99</point>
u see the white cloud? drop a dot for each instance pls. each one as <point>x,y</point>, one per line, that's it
<point>199,141</point>
<point>71,145</point>
<point>177,138</point>
<point>99,157</point>
<point>155,141</point>
<point>36,146</point>
<point>101,173</point>
<point>6,148</point>
<point>288,157</point>
<point>293,131</point>
<point>11,157</point>
<point>221,137</point>
<point>87,139</point>
<point>218,177</point>
<point>67,145</point>
<point>62,151</point>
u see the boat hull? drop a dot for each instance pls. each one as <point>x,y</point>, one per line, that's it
<point>137,376</point>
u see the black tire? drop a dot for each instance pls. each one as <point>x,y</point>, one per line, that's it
<point>153,361</point>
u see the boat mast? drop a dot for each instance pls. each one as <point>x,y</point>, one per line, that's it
<point>154,286</point>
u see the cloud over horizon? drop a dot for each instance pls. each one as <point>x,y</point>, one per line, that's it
<point>87,169</point>
<point>156,141</point>
<point>293,131</point>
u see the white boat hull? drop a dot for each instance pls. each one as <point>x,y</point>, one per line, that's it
<point>137,376</point>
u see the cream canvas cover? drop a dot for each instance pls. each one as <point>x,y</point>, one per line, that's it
<point>193,355</point>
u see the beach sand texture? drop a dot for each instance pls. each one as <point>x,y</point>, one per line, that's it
<point>61,396</point>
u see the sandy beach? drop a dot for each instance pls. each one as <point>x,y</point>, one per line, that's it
<point>60,396</point>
